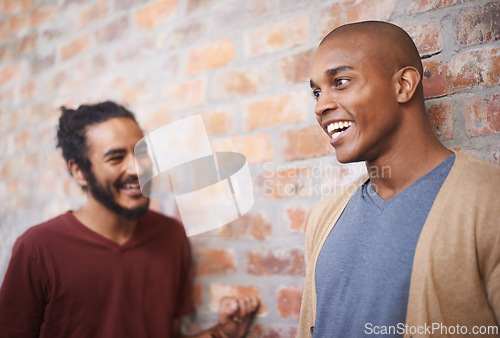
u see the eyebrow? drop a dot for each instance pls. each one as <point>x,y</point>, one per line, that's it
<point>331,72</point>
<point>114,152</point>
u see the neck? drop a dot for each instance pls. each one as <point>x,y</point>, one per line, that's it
<point>106,223</point>
<point>413,155</point>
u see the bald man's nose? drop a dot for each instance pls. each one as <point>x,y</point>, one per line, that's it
<point>324,104</point>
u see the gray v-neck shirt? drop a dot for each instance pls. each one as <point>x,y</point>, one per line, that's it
<point>364,268</point>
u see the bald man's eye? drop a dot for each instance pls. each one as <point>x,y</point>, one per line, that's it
<point>316,93</point>
<point>340,82</point>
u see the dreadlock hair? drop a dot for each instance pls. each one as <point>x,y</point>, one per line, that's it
<point>72,130</point>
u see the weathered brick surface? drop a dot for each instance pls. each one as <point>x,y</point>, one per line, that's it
<point>275,262</point>
<point>214,262</point>
<point>427,38</point>
<point>351,11</point>
<point>241,81</point>
<point>74,47</point>
<point>306,142</point>
<point>478,24</point>
<point>277,36</point>
<point>214,55</point>
<point>288,300</point>
<point>250,225</point>
<point>276,109</point>
<point>298,217</point>
<point>440,115</point>
<point>482,116</point>
<point>155,13</point>
<point>245,67</point>
<point>426,5</point>
<point>256,147</point>
<point>296,68</point>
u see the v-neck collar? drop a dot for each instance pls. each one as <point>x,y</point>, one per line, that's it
<point>98,238</point>
<point>382,204</point>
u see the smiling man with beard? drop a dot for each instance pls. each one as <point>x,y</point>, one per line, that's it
<point>111,268</point>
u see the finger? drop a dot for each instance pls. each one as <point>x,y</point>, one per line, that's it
<point>254,303</point>
<point>228,307</point>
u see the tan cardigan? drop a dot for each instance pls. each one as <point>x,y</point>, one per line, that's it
<point>456,269</point>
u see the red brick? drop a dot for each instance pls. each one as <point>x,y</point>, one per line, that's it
<point>92,13</point>
<point>285,183</point>
<point>186,33</point>
<point>136,49</point>
<point>296,68</point>
<point>288,300</point>
<point>22,140</point>
<point>42,112</point>
<point>482,116</point>
<point>237,13</point>
<point>435,80</point>
<point>155,14</point>
<point>440,116</point>
<point>426,5</point>
<point>353,10</point>
<point>218,290</point>
<point>13,185</point>
<point>9,5</point>
<point>426,38</point>
<point>198,295</point>
<point>26,4</point>
<point>298,217</point>
<point>9,167</point>
<point>41,15</point>
<point>195,5</point>
<point>273,36</point>
<point>10,72</point>
<point>276,109</point>
<point>18,22</point>
<point>228,84</point>
<point>306,142</point>
<point>214,262</point>
<point>475,68</point>
<point>28,44</point>
<point>5,54</point>
<point>42,63</point>
<point>250,225</point>
<point>99,63</point>
<point>258,330</point>
<point>113,30</point>
<point>214,55</point>
<point>4,30</point>
<point>28,90</point>
<point>151,116</point>
<point>217,122</point>
<point>74,47</point>
<point>186,95</point>
<point>256,147</point>
<point>266,262</point>
<point>478,24</point>
<point>490,153</point>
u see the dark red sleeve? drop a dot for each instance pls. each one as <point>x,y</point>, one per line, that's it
<point>185,294</point>
<point>22,298</point>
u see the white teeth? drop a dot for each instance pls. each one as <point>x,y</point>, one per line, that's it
<point>336,126</point>
<point>132,186</point>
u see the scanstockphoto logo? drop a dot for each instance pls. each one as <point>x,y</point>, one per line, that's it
<point>320,179</point>
<point>210,189</point>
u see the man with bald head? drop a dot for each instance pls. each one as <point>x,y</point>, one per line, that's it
<point>412,247</point>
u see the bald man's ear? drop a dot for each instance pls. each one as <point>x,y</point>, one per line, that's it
<point>77,173</point>
<point>408,79</point>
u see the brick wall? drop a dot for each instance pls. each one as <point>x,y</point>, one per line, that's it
<point>244,65</point>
